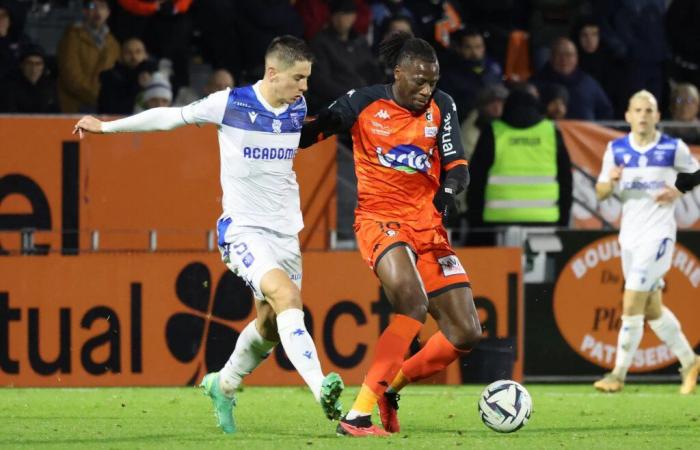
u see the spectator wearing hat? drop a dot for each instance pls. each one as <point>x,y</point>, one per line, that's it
<point>29,90</point>
<point>120,85</point>
<point>343,59</point>
<point>158,92</point>
<point>554,99</point>
<point>85,50</point>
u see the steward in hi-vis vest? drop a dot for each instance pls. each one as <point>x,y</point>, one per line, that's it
<point>521,171</point>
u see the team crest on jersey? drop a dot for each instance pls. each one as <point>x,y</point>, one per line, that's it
<point>429,115</point>
<point>276,126</point>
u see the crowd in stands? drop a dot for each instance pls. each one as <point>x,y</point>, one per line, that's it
<point>575,59</point>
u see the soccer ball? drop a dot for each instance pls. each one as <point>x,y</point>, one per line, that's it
<point>505,406</point>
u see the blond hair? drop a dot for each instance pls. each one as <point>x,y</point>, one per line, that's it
<point>643,95</point>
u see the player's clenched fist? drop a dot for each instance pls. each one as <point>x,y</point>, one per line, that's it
<point>616,173</point>
<point>89,124</point>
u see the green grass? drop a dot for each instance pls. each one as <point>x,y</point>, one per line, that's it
<point>435,417</point>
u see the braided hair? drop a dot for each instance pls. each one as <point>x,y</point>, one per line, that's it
<point>401,46</point>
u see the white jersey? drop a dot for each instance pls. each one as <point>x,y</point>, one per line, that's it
<point>647,170</point>
<point>257,144</point>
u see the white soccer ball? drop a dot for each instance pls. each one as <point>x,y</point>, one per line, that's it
<point>505,406</point>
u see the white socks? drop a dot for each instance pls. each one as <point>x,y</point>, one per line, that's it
<point>628,341</point>
<point>251,349</point>
<point>300,348</point>
<point>668,329</point>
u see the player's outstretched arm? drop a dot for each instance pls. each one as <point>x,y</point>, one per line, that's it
<point>156,119</point>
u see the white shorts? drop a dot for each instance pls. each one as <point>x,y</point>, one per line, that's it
<point>251,252</point>
<point>645,266</point>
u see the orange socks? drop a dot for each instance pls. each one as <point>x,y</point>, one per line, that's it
<point>437,354</point>
<point>388,357</point>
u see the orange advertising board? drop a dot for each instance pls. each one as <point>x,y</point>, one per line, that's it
<point>124,185</point>
<point>166,318</point>
<point>590,323</point>
<point>586,143</point>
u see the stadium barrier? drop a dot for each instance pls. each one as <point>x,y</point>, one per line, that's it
<point>166,318</point>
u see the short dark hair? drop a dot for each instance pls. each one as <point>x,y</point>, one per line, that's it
<point>401,46</point>
<point>288,50</point>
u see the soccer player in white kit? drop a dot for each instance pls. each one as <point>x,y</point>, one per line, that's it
<point>642,167</point>
<point>259,128</point>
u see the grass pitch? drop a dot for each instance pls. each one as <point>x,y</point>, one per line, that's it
<point>435,417</point>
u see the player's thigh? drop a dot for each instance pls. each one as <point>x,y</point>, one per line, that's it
<point>645,266</point>
<point>387,248</point>
<point>654,306</point>
<point>251,253</point>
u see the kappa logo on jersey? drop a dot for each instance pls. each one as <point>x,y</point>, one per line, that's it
<point>382,114</point>
<point>276,126</point>
<point>253,115</point>
<point>406,158</point>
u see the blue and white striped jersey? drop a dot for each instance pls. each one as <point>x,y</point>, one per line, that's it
<point>257,144</point>
<point>647,170</point>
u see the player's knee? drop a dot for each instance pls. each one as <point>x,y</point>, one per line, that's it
<point>464,337</point>
<point>409,301</point>
<point>283,297</point>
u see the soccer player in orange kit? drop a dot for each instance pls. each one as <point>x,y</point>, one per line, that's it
<point>410,164</point>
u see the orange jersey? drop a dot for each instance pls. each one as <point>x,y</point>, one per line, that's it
<point>399,154</point>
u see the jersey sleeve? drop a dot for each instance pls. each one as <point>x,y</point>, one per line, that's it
<point>685,161</point>
<point>608,164</point>
<point>449,138</point>
<point>209,109</point>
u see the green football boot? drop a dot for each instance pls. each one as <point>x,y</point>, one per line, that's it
<point>223,405</point>
<point>331,388</point>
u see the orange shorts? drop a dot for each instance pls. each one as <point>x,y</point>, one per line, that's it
<point>436,262</point>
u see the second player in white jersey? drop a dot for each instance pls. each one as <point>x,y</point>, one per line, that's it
<point>647,170</point>
<point>642,167</point>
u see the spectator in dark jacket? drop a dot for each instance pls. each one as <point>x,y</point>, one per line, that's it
<point>468,70</point>
<point>120,85</point>
<point>682,19</point>
<point>29,89</point>
<point>343,60</point>
<point>588,101</point>
<point>12,39</point>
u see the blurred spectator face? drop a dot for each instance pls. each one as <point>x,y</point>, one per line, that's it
<point>493,109</point>
<point>218,81</point>
<point>473,48</point>
<point>685,103</point>
<point>96,13</point>
<point>32,68</point>
<point>399,24</point>
<point>556,109</point>
<point>564,57</point>
<point>4,22</point>
<point>342,22</point>
<point>156,102</point>
<point>133,53</point>
<point>589,38</point>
